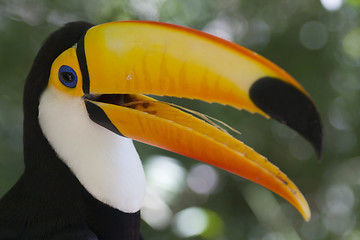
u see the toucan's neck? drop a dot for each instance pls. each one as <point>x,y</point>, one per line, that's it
<point>106,164</point>
<point>48,198</point>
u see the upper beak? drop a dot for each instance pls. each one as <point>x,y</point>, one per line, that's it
<point>121,60</point>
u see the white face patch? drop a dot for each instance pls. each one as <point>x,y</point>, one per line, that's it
<point>106,164</point>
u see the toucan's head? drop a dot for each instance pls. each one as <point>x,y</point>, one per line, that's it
<point>85,90</point>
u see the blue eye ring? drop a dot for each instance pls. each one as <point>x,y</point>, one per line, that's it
<point>67,76</point>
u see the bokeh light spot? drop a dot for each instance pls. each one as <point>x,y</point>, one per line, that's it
<point>338,116</point>
<point>345,82</point>
<point>165,176</point>
<point>258,34</point>
<point>339,217</point>
<point>221,28</point>
<point>351,43</point>
<point>148,9</point>
<point>331,5</point>
<point>155,211</point>
<point>190,222</point>
<point>300,149</point>
<point>339,199</point>
<point>203,179</point>
<point>313,35</point>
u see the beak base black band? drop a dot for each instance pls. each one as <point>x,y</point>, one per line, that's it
<point>80,52</point>
<point>98,116</point>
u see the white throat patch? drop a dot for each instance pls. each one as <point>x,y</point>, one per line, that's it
<point>106,164</point>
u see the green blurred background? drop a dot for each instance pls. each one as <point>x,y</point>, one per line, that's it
<point>318,42</point>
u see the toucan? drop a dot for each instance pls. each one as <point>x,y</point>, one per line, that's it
<point>86,99</point>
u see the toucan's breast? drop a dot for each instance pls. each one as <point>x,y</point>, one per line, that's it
<point>106,164</point>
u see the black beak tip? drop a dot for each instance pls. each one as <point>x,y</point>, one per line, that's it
<point>290,106</point>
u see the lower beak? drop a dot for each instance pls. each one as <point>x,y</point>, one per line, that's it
<point>123,60</point>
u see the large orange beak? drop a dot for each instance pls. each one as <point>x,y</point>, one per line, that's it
<point>120,61</point>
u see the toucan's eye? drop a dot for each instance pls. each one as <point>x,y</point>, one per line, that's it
<point>67,76</point>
